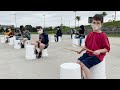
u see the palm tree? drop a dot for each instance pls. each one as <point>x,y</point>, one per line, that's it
<point>103,14</point>
<point>78,19</point>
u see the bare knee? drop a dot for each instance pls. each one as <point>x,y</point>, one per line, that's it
<point>32,43</point>
<point>82,65</point>
<point>78,62</point>
<point>42,45</point>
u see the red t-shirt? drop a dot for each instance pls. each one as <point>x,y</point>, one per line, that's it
<point>96,41</point>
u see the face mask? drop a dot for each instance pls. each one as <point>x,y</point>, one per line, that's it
<point>40,32</point>
<point>96,27</point>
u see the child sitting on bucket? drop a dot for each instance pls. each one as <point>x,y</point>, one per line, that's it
<point>26,36</point>
<point>98,42</point>
<point>9,33</point>
<point>42,43</point>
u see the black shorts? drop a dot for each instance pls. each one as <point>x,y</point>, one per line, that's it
<point>46,46</point>
<point>10,36</point>
<point>89,61</point>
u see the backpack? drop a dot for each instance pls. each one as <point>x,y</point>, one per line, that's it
<point>27,35</point>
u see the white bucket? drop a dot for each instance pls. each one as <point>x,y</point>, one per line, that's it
<point>44,53</point>
<point>29,52</point>
<point>11,41</point>
<point>73,36</point>
<point>27,43</point>
<point>70,71</point>
<point>98,71</point>
<point>83,42</point>
<point>5,37</point>
<point>14,38</point>
<point>52,39</point>
<point>17,44</point>
<point>59,39</point>
<point>2,39</point>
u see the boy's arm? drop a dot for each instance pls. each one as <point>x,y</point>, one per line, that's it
<point>105,45</point>
<point>103,50</point>
<point>46,39</point>
<point>97,52</point>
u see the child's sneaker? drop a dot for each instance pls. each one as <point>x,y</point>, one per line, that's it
<point>39,55</point>
<point>36,52</point>
<point>22,45</point>
<point>6,41</point>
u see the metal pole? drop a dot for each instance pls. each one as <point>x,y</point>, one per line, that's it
<point>44,21</point>
<point>115,15</point>
<point>15,21</point>
<point>61,23</point>
<point>112,17</point>
<point>69,23</point>
<point>75,19</point>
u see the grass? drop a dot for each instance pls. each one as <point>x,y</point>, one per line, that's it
<point>109,35</point>
<point>112,24</point>
<point>33,32</point>
<point>65,29</point>
<point>113,35</point>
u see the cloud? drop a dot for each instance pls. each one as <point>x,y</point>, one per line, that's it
<point>52,18</point>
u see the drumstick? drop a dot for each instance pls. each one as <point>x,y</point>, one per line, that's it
<point>85,48</point>
<point>78,45</point>
<point>70,49</point>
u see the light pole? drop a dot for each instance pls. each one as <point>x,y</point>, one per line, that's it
<point>69,23</point>
<point>15,21</point>
<point>44,21</point>
<point>75,19</point>
<point>115,15</point>
<point>112,17</point>
<point>61,22</point>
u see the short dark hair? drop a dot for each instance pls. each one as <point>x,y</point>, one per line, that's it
<point>58,27</point>
<point>98,17</point>
<point>39,27</point>
<point>21,26</point>
<point>82,27</point>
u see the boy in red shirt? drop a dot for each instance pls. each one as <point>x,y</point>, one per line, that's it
<point>98,42</point>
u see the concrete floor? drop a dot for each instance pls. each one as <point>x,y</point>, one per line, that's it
<point>13,64</point>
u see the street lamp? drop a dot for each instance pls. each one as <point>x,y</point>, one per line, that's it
<point>75,19</point>
<point>44,21</point>
<point>115,15</point>
<point>61,23</point>
<point>15,21</point>
<point>69,23</point>
<point>112,17</point>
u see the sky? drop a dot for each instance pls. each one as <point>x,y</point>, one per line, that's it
<point>52,18</point>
